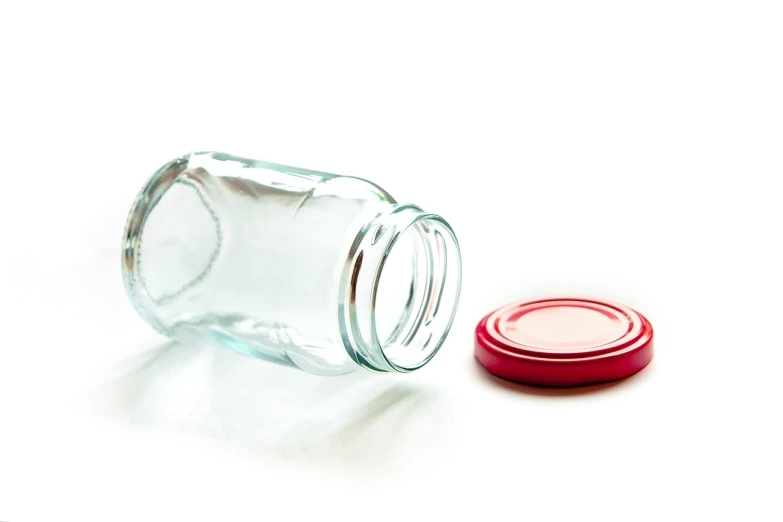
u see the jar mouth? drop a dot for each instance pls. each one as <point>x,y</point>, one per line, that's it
<point>401,290</point>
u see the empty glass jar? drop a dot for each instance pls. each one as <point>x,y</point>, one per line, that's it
<point>321,272</point>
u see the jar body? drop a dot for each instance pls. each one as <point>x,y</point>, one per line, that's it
<point>322,272</point>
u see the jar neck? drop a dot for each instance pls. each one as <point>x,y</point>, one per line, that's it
<point>399,289</point>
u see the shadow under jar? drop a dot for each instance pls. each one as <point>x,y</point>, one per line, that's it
<point>321,272</point>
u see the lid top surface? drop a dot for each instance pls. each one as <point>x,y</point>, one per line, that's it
<point>564,326</point>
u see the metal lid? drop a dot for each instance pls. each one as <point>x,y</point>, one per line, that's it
<point>564,342</point>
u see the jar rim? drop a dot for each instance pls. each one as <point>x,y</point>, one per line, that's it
<point>435,290</point>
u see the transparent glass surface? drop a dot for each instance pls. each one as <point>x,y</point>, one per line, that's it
<point>321,272</point>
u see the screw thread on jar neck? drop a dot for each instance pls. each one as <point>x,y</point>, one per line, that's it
<point>399,289</point>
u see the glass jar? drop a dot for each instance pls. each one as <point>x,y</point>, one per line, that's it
<point>321,272</point>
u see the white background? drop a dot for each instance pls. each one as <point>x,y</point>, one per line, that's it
<point>623,150</point>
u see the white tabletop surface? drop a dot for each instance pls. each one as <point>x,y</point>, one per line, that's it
<point>604,149</point>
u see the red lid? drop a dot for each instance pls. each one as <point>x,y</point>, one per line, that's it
<point>564,342</point>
